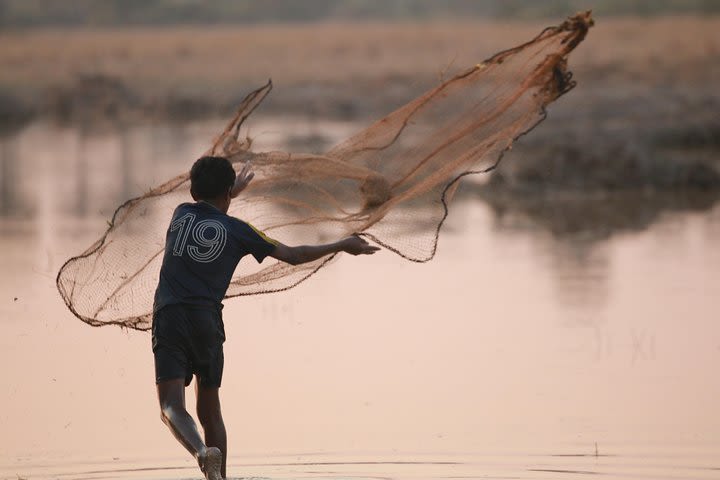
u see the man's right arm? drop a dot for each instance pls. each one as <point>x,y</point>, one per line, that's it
<point>353,245</point>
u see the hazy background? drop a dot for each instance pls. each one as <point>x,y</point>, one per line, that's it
<point>89,13</point>
<point>568,324</point>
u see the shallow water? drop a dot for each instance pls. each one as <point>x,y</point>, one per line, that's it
<point>516,353</point>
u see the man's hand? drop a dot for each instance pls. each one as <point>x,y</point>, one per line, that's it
<point>242,180</point>
<point>355,245</point>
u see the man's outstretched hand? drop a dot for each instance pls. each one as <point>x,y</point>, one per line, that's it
<point>242,180</point>
<point>355,245</point>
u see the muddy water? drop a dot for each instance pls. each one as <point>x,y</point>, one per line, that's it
<point>516,353</point>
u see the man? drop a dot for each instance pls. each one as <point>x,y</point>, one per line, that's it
<point>203,246</point>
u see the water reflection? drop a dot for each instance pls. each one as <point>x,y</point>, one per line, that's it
<point>590,217</point>
<point>105,167</point>
<point>81,175</point>
<point>13,201</point>
<point>96,165</point>
<point>574,232</point>
<point>10,202</point>
<point>580,273</point>
<point>52,172</point>
<point>474,352</point>
<point>88,170</point>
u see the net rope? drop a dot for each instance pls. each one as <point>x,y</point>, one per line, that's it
<point>392,182</point>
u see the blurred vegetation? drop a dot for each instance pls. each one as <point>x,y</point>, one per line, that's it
<point>92,13</point>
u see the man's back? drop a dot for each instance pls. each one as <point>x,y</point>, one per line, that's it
<point>202,248</point>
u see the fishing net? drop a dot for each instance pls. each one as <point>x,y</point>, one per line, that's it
<point>391,183</point>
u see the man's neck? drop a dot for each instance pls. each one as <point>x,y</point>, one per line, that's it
<point>212,203</point>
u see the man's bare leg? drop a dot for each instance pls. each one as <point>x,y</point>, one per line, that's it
<point>171,394</point>
<point>208,410</point>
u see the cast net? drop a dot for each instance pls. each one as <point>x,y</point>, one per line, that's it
<point>391,183</point>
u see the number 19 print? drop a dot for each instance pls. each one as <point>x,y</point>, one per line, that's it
<point>207,242</point>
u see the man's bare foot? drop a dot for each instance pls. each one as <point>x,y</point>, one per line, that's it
<point>210,463</point>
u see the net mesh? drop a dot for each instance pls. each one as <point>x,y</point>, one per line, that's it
<point>391,183</point>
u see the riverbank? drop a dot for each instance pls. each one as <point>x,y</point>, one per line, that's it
<point>358,70</point>
<point>644,114</point>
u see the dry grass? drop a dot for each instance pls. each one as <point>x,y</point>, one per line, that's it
<point>225,60</point>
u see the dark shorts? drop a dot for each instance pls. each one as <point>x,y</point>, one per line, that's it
<point>188,340</point>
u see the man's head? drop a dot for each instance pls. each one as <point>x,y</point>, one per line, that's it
<point>211,179</point>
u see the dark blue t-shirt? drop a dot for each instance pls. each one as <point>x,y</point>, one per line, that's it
<point>202,248</point>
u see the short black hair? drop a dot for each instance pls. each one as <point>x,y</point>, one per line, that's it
<point>211,177</point>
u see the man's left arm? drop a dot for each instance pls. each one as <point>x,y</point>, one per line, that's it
<point>242,179</point>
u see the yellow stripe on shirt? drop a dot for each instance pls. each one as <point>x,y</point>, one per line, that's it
<point>262,234</point>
